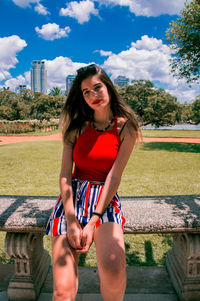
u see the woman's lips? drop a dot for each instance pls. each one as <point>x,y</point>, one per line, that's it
<point>96,101</point>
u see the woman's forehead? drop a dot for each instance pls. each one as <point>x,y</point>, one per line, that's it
<point>90,81</point>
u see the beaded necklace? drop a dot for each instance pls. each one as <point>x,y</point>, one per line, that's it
<point>104,129</point>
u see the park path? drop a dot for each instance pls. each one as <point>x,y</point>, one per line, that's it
<point>14,139</point>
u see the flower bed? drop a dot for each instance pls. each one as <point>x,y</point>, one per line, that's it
<point>27,126</point>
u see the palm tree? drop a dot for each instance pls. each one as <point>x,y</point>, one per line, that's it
<point>55,91</point>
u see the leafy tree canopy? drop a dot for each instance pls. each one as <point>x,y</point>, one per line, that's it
<point>196,110</point>
<point>184,39</point>
<point>152,105</point>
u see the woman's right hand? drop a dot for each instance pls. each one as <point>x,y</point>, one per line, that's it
<point>74,233</point>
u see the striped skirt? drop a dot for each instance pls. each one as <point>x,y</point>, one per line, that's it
<point>86,195</point>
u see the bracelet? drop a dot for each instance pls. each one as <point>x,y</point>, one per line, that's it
<point>97,213</point>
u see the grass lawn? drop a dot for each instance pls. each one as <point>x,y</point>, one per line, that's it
<point>153,169</point>
<point>171,133</point>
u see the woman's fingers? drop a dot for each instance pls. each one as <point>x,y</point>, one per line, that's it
<point>74,235</point>
<point>86,240</point>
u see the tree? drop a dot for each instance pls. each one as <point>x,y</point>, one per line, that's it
<point>186,112</point>
<point>47,106</point>
<point>184,39</point>
<point>27,94</point>
<point>55,91</point>
<point>152,105</point>
<point>15,106</point>
<point>6,113</point>
<point>196,110</point>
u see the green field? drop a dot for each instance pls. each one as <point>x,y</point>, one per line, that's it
<point>171,133</point>
<point>153,169</point>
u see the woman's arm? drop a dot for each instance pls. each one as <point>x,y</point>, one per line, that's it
<point>113,178</point>
<point>112,182</point>
<point>74,231</point>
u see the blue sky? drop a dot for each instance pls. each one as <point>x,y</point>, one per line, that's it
<point>125,37</point>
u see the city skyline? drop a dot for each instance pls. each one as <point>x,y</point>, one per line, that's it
<point>126,38</point>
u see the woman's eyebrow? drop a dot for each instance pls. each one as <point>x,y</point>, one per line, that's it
<point>85,89</point>
<point>96,84</point>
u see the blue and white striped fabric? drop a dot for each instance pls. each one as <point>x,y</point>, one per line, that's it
<point>86,196</point>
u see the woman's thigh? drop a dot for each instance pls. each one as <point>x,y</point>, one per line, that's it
<point>65,264</point>
<point>110,249</point>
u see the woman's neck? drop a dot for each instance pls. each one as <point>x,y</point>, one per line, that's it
<point>103,117</point>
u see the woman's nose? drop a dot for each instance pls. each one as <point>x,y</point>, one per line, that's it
<point>93,92</point>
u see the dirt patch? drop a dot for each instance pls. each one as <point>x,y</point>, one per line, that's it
<point>15,139</point>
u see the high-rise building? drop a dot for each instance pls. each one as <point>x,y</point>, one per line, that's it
<point>38,77</point>
<point>121,81</point>
<point>69,80</point>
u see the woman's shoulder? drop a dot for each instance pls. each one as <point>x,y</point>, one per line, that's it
<point>121,123</point>
<point>83,127</point>
<point>76,133</point>
<point>124,127</point>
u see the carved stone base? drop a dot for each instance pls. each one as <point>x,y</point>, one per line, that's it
<point>183,264</point>
<point>31,264</point>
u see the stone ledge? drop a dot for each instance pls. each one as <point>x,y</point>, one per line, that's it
<point>25,217</point>
<point>154,214</point>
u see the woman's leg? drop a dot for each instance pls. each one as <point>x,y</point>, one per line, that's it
<point>111,261</point>
<point>65,269</point>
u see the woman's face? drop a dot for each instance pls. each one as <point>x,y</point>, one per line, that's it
<point>95,93</point>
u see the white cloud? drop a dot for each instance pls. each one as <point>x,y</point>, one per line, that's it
<point>39,8</point>
<point>148,8</point>
<point>81,11</point>
<point>9,47</point>
<point>182,91</point>
<point>24,3</point>
<point>148,58</point>
<point>58,69</point>
<point>52,31</point>
<point>104,53</point>
<point>153,64</point>
<point>12,83</point>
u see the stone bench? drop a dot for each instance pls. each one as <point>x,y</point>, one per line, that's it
<point>24,219</point>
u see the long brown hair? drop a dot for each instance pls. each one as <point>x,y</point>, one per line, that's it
<point>76,111</point>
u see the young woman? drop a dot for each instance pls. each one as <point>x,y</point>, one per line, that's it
<point>99,133</point>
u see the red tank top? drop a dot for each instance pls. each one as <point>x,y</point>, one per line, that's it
<point>94,153</point>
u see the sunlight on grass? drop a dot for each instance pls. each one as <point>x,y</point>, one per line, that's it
<point>171,133</point>
<point>153,169</point>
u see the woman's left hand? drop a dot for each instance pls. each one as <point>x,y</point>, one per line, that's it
<point>87,238</point>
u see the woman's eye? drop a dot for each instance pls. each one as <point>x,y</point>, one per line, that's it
<point>97,88</point>
<point>86,93</point>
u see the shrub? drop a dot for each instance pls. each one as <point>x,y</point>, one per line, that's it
<point>27,126</point>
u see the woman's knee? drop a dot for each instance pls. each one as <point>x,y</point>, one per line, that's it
<point>65,270</point>
<point>114,262</point>
<point>65,291</point>
<point>110,248</point>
